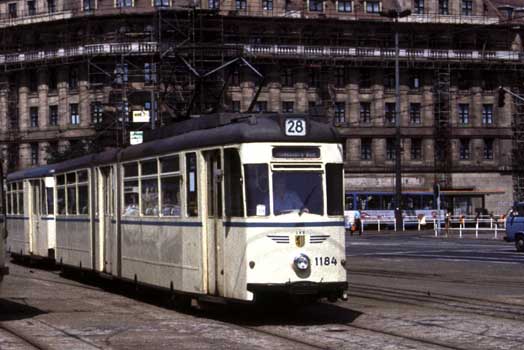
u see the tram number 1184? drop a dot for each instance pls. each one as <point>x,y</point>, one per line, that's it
<point>325,261</point>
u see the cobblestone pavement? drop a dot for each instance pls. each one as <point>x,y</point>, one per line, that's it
<point>407,291</point>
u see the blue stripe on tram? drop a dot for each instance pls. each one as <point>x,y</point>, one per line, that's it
<point>285,224</point>
<point>161,223</point>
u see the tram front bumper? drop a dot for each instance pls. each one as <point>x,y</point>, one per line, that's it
<point>324,289</point>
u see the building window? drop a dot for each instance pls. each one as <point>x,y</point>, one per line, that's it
<point>89,5</point>
<point>340,112</point>
<point>34,154</point>
<point>121,73</point>
<point>12,10</point>
<point>464,149</point>
<point>372,6</point>
<point>414,81</point>
<point>240,4</point>
<point>161,3</point>
<point>316,5</point>
<point>73,78</point>
<point>287,77</point>
<point>267,5</point>
<point>365,149</point>
<point>314,78</point>
<point>288,107</point>
<point>53,115</point>
<point>340,77</point>
<point>488,149</point>
<point>443,7</point>
<point>33,114</point>
<point>260,107</point>
<point>365,79</point>
<point>467,7</point>
<point>365,112</point>
<point>345,6</point>
<point>51,6</point>
<point>414,113</point>
<point>150,73</point>
<point>464,113</point>
<point>31,8</point>
<point>390,149</point>
<point>389,80</point>
<point>236,106</point>
<point>419,7</point>
<point>416,149</point>
<point>33,81</point>
<point>124,3</point>
<point>213,4</point>
<point>487,114</point>
<point>74,116</point>
<point>97,112</point>
<point>390,113</point>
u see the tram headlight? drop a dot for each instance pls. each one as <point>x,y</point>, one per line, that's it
<point>301,262</point>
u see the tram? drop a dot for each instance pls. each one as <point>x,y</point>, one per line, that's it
<point>3,232</point>
<point>229,206</point>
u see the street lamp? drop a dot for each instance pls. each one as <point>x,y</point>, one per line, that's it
<point>395,15</point>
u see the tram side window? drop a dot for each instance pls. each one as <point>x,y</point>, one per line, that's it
<point>83,193</point>
<point>50,202</point>
<point>149,186</point>
<point>21,198</point>
<point>43,201</point>
<point>9,197</point>
<point>131,189</point>
<point>170,186</point>
<point>191,181</point>
<point>71,193</point>
<point>257,189</point>
<point>233,183</point>
<point>15,199</point>
<point>60,195</point>
<point>335,191</point>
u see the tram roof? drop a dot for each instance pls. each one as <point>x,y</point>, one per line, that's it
<point>204,131</point>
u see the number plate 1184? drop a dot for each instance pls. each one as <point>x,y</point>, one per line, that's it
<point>295,127</point>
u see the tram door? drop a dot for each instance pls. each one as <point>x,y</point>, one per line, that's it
<point>214,226</point>
<point>36,239</point>
<point>106,226</point>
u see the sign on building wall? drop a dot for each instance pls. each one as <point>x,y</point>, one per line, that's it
<point>136,137</point>
<point>141,116</point>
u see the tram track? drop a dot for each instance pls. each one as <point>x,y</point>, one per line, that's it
<point>27,339</point>
<point>477,306</point>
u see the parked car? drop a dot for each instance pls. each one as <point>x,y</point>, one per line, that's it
<point>515,226</point>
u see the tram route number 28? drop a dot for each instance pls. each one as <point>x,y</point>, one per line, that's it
<point>325,260</point>
<point>295,127</point>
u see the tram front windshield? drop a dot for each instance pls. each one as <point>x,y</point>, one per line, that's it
<point>297,191</point>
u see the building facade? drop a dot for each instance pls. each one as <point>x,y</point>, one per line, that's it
<point>74,72</point>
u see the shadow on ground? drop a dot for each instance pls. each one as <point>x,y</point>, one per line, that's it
<point>17,310</point>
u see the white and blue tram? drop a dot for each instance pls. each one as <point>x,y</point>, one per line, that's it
<point>229,206</point>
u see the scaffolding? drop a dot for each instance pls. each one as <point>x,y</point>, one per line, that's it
<point>442,130</point>
<point>518,147</point>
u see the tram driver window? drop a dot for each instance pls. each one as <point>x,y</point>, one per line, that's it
<point>191,181</point>
<point>257,189</point>
<point>60,195</point>
<point>233,183</point>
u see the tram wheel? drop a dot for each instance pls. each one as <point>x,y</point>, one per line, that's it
<point>180,302</point>
<point>519,243</point>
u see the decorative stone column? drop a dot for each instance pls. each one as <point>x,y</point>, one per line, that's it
<point>84,105</point>
<point>43,102</point>
<point>427,106</point>
<point>274,98</point>
<point>25,155</point>
<point>247,88</point>
<point>23,107</point>
<point>3,105</point>
<point>43,151</point>
<point>476,107</point>
<point>379,151</point>
<point>353,99</point>
<point>63,98</point>
<point>428,151</point>
<point>377,104</point>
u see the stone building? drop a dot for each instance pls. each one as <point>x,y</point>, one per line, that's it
<point>73,72</point>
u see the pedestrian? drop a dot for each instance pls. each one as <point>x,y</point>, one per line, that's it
<point>447,222</point>
<point>358,223</point>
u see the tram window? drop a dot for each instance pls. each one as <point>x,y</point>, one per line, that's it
<point>349,202</point>
<point>60,200</point>
<point>60,180</point>
<point>373,202</point>
<point>43,201</point>
<point>20,198</point>
<point>15,203</point>
<point>233,183</point>
<point>427,202</point>
<point>130,169</point>
<point>191,181</point>
<point>387,202</point>
<point>411,202</point>
<point>71,200</point>
<point>50,202</point>
<point>298,191</point>
<point>149,167</point>
<point>170,196</point>
<point>82,176</point>
<point>131,198</point>
<point>334,189</point>
<point>149,196</point>
<point>71,178</point>
<point>83,199</point>
<point>257,189</point>
<point>9,204</point>
<point>170,164</point>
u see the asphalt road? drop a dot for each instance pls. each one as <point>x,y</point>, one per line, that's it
<point>407,291</point>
